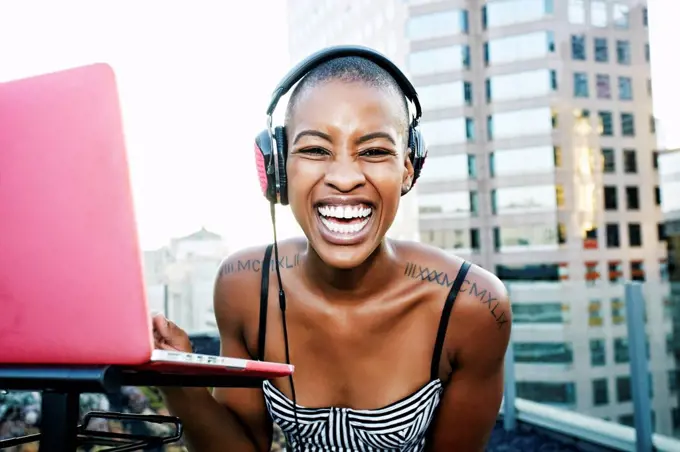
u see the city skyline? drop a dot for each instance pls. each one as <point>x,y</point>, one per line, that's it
<point>184,140</point>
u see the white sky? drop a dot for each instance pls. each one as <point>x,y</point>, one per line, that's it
<point>195,77</point>
<point>194,84</point>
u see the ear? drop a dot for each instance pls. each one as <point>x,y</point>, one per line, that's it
<point>407,179</point>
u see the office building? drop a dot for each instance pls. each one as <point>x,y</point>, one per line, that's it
<point>180,279</point>
<point>538,116</point>
<point>669,170</point>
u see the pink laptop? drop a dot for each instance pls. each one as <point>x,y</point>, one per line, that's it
<point>71,282</point>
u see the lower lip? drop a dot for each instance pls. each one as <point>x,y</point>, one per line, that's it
<point>341,238</point>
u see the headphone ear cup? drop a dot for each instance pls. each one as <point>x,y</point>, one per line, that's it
<point>263,164</point>
<point>418,152</point>
<point>282,152</point>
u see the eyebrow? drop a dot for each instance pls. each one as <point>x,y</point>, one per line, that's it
<point>360,140</point>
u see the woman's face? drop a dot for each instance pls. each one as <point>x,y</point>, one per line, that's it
<point>347,167</point>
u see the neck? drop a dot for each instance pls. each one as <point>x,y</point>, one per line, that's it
<point>369,277</point>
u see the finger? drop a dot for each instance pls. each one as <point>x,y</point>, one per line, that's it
<point>160,325</point>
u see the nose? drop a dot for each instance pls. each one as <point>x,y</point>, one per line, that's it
<point>344,174</point>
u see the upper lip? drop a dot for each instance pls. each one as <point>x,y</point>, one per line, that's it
<point>339,200</point>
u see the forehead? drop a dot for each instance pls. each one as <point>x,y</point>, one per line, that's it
<point>348,105</point>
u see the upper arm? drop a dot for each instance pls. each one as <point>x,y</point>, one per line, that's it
<point>232,292</point>
<point>473,395</point>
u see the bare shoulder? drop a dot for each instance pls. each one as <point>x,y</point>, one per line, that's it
<point>238,280</point>
<point>481,317</point>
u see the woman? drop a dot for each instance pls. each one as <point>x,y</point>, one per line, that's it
<point>384,359</point>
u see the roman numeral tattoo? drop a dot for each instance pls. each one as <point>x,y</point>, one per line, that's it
<point>255,265</point>
<point>486,298</point>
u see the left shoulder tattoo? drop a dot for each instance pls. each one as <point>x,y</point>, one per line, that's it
<point>485,297</point>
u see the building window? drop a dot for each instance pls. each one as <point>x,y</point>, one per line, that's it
<point>557,156</point>
<point>511,12</point>
<point>611,201</point>
<point>661,232</point>
<point>632,198</point>
<point>467,93</point>
<point>592,273</point>
<point>627,125</point>
<point>542,313</point>
<point>578,47</point>
<point>580,84</point>
<point>561,233</point>
<point>629,161</point>
<point>474,239</point>
<point>598,13</point>
<point>615,271</point>
<point>623,52</point>
<point>559,195</point>
<point>618,311</point>
<point>516,48</point>
<point>606,123</point>
<point>465,21</point>
<point>436,25</point>
<point>590,241</point>
<point>620,15</point>
<point>603,86</point>
<point>466,56</point>
<point>663,270</point>
<point>608,160</point>
<point>623,391</point>
<point>445,168</point>
<point>598,352</point>
<point>543,352</point>
<point>613,238</point>
<point>652,125</point>
<point>600,392</point>
<point>474,203</point>
<point>470,130</point>
<point>448,239</point>
<point>647,53</point>
<point>637,271</point>
<point>553,80</point>
<point>621,350</point>
<point>601,50</point>
<point>577,12</point>
<point>472,166</point>
<point>549,393</point>
<point>595,313</point>
<point>634,234</point>
<point>625,88</point>
<point>655,160</point>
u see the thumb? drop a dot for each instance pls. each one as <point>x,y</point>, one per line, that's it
<point>161,325</point>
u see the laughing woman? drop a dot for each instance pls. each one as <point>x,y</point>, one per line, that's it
<point>397,346</point>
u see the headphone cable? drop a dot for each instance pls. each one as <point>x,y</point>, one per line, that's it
<point>282,305</point>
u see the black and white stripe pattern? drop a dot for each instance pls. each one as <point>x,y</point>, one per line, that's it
<point>400,426</point>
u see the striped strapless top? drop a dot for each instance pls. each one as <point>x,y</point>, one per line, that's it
<point>400,426</point>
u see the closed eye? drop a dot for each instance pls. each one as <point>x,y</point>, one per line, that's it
<point>376,152</point>
<point>314,151</point>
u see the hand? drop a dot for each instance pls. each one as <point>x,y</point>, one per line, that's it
<point>168,336</point>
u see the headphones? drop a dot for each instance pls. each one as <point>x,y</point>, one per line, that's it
<point>271,149</point>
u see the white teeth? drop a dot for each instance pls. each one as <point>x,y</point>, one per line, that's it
<point>342,228</point>
<point>344,211</point>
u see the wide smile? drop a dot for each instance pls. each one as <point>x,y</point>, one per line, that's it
<point>344,224</point>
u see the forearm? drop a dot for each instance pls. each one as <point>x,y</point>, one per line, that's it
<point>208,426</point>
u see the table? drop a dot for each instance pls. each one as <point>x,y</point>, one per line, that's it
<point>61,388</point>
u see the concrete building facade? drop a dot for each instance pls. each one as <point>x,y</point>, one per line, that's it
<point>542,168</point>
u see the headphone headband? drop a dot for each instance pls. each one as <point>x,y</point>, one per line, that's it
<point>331,53</point>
